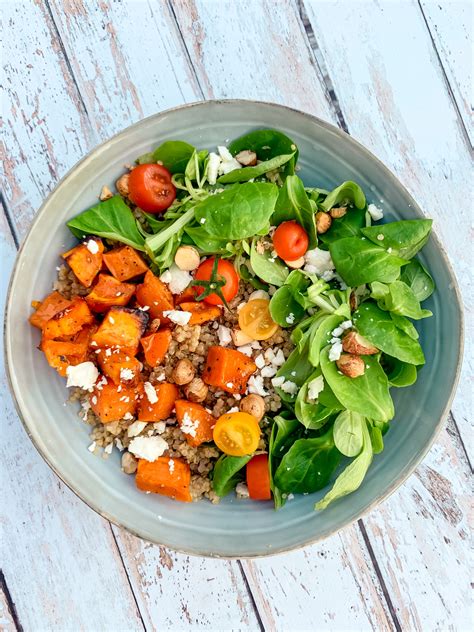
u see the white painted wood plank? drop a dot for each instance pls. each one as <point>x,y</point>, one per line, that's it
<point>253,50</point>
<point>327,586</point>
<point>58,557</point>
<point>451,27</point>
<point>186,593</point>
<point>395,101</point>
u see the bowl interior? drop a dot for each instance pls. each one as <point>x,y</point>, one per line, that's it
<point>233,528</point>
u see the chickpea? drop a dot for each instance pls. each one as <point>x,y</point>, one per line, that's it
<point>323,222</point>
<point>196,390</point>
<point>187,258</point>
<point>183,372</point>
<point>239,338</point>
<point>122,184</point>
<point>129,463</point>
<point>338,212</point>
<point>254,405</point>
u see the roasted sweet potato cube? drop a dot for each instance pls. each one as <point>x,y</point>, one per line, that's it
<point>49,307</point>
<point>63,353</point>
<point>200,312</point>
<point>122,327</point>
<point>195,422</point>
<point>166,476</point>
<point>125,263</point>
<point>155,346</point>
<point>228,369</point>
<point>155,295</point>
<point>158,406</point>
<point>119,366</point>
<point>111,402</point>
<point>187,296</point>
<point>69,321</point>
<point>108,292</point>
<point>85,260</point>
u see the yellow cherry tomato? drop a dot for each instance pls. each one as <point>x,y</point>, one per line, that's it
<point>237,434</point>
<point>255,319</point>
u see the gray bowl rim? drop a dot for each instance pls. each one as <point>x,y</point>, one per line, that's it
<point>405,472</point>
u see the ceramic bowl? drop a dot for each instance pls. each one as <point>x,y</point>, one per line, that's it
<point>233,528</point>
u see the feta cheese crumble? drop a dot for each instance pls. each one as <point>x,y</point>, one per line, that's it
<point>213,167</point>
<point>255,385</point>
<point>224,335</point>
<point>335,351</point>
<point>188,426</point>
<point>92,246</point>
<point>375,212</point>
<point>148,448</point>
<point>126,374</point>
<point>177,280</point>
<point>314,388</point>
<point>290,319</point>
<point>83,375</point>
<point>318,261</point>
<point>134,429</point>
<point>242,490</point>
<point>150,392</point>
<point>180,317</point>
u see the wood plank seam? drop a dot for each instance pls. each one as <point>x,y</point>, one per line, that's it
<point>251,596</point>
<point>10,603</point>
<point>8,216</point>
<point>461,121</point>
<point>452,418</point>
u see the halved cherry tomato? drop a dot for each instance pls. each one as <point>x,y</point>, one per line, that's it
<point>290,241</point>
<point>258,478</point>
<point>225,275</point>
<point>236,434</point>
<point>150,188</point>
<point>255,319</point>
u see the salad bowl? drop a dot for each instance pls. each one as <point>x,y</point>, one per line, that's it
<point>234,528</point>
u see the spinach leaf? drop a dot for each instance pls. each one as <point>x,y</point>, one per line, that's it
<point>111,219</point>
<point>226,473</point>
<point>284,433</point>
<point>284,308</point>
<point>405,238</point>
<point>352,476</point>
<point>308,465</point>
<point>405,325</point>
<point>399,373</point>
<point>267,143</point>
<point>399,299</point>
<point>238,212</point>
<point>314,415</point>
<point>206,243</point>
<point>418,279</point>
<point>379,328</point>
<point>347,192</point>
<point>358,261</point>
<point>296,369</point>
<point>266,267</point>
<point>167,240</point>
<point>293,204</point>
<point>249,173</point>
<point>320,336</point>
<point>174,154</point>
<point>368,394</point>
<point>348,432</point>
<point>196,165</point>
<point>347,226</point>
<point>376,438</point>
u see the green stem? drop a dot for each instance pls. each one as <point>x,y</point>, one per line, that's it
<point>155,242</point>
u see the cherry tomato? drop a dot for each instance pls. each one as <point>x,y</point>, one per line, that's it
<point>150,188</point>
<point>255,319</point>
<point>258,478</point>
<point>236,434</point>
<point>225,272</point>
<point>290,241</point>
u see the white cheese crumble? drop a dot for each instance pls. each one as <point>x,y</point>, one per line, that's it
<point>268,371</point>
<point>159,426</point>
<point>188,425</point>
<point>224,334</point>
<point>128,416</point>
<point>287,386</point>
<point>126,374</point>
<point>375,212</point>
<point>177,280</point>
<point>234,409</point>
<point>150,392</point>
<point>347,324</point>
<point>148,448</point>
<point>92,446</point>
<point>335,351</point>
<point>318,261</point>
<point>290,319</point>
<point>171,466</point>
<point>213,167</point>
<point>180,317</point>
<point>83,375</point>
<point>92,246</point>
<point>380,237</point>
<point>337,332</point>
<point>314,388</point>
<point>242,490</point>
<point>255,385</point>
<point>228,162</point>
<point>108,448</point>
<point>260,361</point>
<point>134,429</point>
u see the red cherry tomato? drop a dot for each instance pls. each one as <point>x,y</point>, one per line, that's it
<point>150,188</point>
<point>258,478</point>
<point>290,241</point>
<point>225,272</point>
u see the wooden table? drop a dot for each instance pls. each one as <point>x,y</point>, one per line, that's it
<point>394,74</point>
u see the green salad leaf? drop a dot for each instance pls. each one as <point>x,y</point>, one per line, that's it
<point>249,173</point>
<point>315,414</point>
<point>284,308</point>
<point>405,325</point>
<point>111,219</point>
<point>349,433</point>
<point>346,193</point>
<point>266,267</point>
<point>267,143</point>
<point>174,154</point>
<point>285,431</point>
<point>349,225</point>
<point>418,279</point>
<point>398,298</point>
<point>399,374</point>
<point>403,238</point>
<point>227,473</point>
<point>293,204</point>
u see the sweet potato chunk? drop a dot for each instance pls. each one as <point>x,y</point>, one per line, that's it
<point>166,476</point>
<point>118,366</point>
<point>125,263</point>
<point>148,410</point>
<point>188,296</point>
<point>153,293</point>
<point>228,369</point>
<point>155,346</point>
<point>201,312</point>
<point>69,321</point>
<point>122,327</point>
<point>195,422</point>
<point>49,307</point>
<point>63,353</point>
<point>108,292</point>
<point>111,402</point>
<point>84,261</point>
